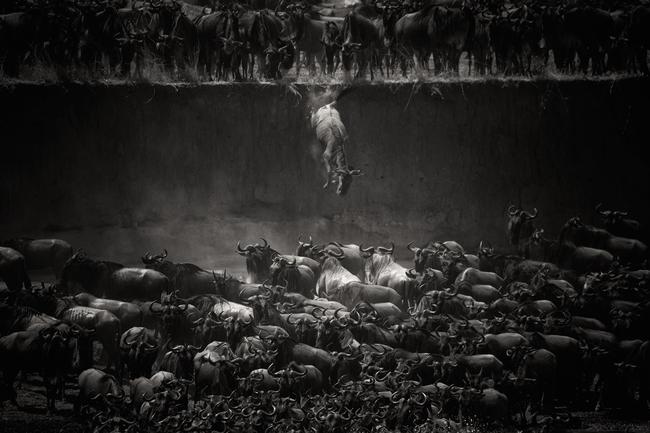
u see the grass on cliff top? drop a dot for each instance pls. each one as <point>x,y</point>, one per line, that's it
<point>153,73</point>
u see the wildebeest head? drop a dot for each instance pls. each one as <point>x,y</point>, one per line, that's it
<point>327,332</point>
<point>330,38</point>
<point>158,262</point>
<point>610,216</point>
<point>538,236</point>
<point>279,59</point>
<point>179,360</point>
<point>619,223</point>
<point>79,270</point>
<point>432,279</point>
<point>344,177</point>
<point>572,229</point>
<point>520,224</point>
<point>303,327</point>
<point>175,324</point>
<point>305,249</point>
<point>369,251</point>
<point>424,257</point>
<point>230,45</point>
<point>235,328</point>
<point>258,260</point>
<point>346,367</point>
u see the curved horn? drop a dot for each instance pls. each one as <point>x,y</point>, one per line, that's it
<point>512,210</point>
<point>533,215</point>
<point>411,274</point>
<point>147,259</point>
<point>366,250</point>
<point>240,251</point>
<point>422,401</point>
<point>387,250</point>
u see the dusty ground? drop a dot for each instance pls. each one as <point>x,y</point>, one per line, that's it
<point>33,417</point>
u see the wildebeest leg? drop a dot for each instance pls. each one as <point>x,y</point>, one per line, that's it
<point>311,58</point>
<point>9,377</point>
<point>641,59</point>
<point>204,61</point>
<point>261,66</point>
<point>127,55</point>
<point>50,391</point>
<point>327,157</point>
<point>337,58</point>
<point>298,63</point>
<point>251,66</point>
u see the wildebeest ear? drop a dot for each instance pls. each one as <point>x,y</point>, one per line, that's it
<point>355,172</point>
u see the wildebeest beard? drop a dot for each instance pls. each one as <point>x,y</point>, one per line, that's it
<point>259,263</point>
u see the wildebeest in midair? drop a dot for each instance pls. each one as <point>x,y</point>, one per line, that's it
<point>333,136</point>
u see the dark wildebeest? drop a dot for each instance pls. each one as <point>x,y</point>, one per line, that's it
<point>618,223</point>
<point>111,280</point>
<point>363,39</point>
<point>47,352</point>
<point>331,40</point>
<point>210,29</point>
<point>13,270</point>
<point>639,35</point>
<point>520,229</point>
<point>581,234</point>
<point>592,28</point>
<point>187,278</point>
<point>42,253</point>
<point>259,259</point>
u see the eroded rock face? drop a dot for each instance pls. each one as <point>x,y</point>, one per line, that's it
<point>438,158</point>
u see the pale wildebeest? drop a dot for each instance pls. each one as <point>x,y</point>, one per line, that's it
<point>333,136</point>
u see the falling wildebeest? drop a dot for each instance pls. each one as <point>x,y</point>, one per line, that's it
<point>333,136</point>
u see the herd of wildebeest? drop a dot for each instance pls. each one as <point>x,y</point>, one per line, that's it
<point>339,338</point>
<point>265,39</point>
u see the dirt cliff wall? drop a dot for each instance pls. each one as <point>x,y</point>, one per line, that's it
<point>120,169</point>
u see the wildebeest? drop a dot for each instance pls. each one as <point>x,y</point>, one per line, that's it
<point>111,280</point>
<point>520,229</point>
<point>381,269</point>
<point>129,314</point>
<point>51,254</point>
<point>333,136</point>
<point>94,383</point>
<point>639,35</point>
<point>341,286</point>
<point>13,270</point>
<point>260,258</point>
<point>619,223</point>
<point>46,352</point>
<point>331,41</point>
<point>138,347</point>
<point>589,236</point>
<point>363,40</point>
<point>187,278</point>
